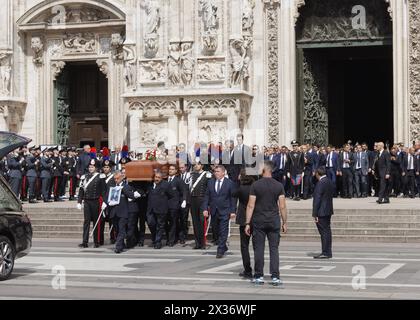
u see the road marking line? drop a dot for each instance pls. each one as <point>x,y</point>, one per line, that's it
<point>387,271</point>
<point>308,268</point>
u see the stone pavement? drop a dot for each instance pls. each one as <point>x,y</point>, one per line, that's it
<point>357,271</point>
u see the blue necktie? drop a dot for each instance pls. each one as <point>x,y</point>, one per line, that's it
<point>218,186</point>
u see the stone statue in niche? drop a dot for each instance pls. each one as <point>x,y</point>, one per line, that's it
<point>153,19</point>
<point>187,63</point>
<point>117,42</point>
<point>38,48</point>
<point>209,13</point>
<point>240,60</point>
<point>5,73</point>
<point>130,63</point>
<point>248,16</point>
<point>174,64</point>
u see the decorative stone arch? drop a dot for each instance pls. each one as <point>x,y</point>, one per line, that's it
<point>56,32</point>
<point>399,14</point>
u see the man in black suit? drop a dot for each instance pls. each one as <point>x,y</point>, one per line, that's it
<point>346,161</point>
<point>383,170</point>
<point>83,162</point>
<point>410,172</point>
<point>323,210</point>
<point>119,212</point>
<point>157,208</point>
<point>220,199</point>
<point>178,201</point>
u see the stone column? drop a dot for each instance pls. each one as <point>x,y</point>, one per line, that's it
<point>400,20</point>
<point>287,62</point>
<point>3,116</point>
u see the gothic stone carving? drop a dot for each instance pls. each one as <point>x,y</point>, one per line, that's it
<point>154,109</point>
<point>37,47</point>
<point>5,72</point>
<point>215,105</point>
<point>331,20</point>
<point>130,63</point>
<point>211,70</point>
<point>248,16</point>
<point>208,10</point>
<point>181,64</point>
<point>56,68</point>
<point>79,43</point>
<point>272,43</point>
<point>213,130</point>
<point>315,110</point>
<point>103,66</point>
<point>153,71</point>
<point>151,37</point>
<point>151,132</point>
<point>117,46</point>
<point>240,55</point>
<point>414,69</point>
<point>63,122</point>
<point>73,13</point>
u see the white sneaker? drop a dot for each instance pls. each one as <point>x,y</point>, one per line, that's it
<point>276,282</point>
<point>258,281</point>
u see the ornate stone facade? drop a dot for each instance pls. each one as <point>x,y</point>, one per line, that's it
<point>196,69</point>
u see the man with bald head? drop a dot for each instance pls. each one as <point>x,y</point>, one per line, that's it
<point>383,169</point>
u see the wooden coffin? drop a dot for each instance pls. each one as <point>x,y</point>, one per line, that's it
<point>144,170</point>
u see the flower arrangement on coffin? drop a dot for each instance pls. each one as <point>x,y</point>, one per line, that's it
<point>151,155</point>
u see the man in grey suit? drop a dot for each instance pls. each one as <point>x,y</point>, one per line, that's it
<point>323,210</point>
<point>361,171</point>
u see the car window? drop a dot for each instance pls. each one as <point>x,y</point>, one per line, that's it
<point>7,201</point>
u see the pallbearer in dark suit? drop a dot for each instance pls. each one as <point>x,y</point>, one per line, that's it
<point>383,170</point>
<point>157,208</point>
<point>120,212</point>
<point>178,201</point>
<point>220,199</point>
<point>361,171</point>
<point>323,210</point>
<point>185,177</point>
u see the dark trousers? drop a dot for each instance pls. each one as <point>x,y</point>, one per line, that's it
<point>113,228</point>
<point>271,230</point>
<point>122,231</point>
<point>383,193</point>
<point>223,231</point>
<point>360,182</point>
<point>133,230</point>
<point>141,226</point>
<point>91,214</point>
<point>347,181</point>
<point>410,183</point>
<point>32,187</point>
<point>214,230</point>
<point>324,229</point>
<point>160,219</point>
<point>72,186</point>
<point>63,185</point>
<point>56,187</point>
<point>332,175</point>
<point>198,221</point>
<point>183,223</point>
<point>152,223</point>
<point>170,225</point>
<point>307,184</point>
<point>15,185</point>
<point>396,182</point>
<point>24,191</point>
<point>46,182</point>
<point>246,259</point>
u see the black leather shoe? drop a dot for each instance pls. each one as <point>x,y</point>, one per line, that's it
<point>322,256</point>
<point>219,256</point>
<point>141,244</point>
<point>83,245</point>
<point>182,242</point>
<point>118,251</point>
<point>158,246</point>
<point>97,245</point>
<point>197,248</point>
<point>171,244</point>
<point>48,201</point>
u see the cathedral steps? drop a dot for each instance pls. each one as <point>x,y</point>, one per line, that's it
<point>376,224</point>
